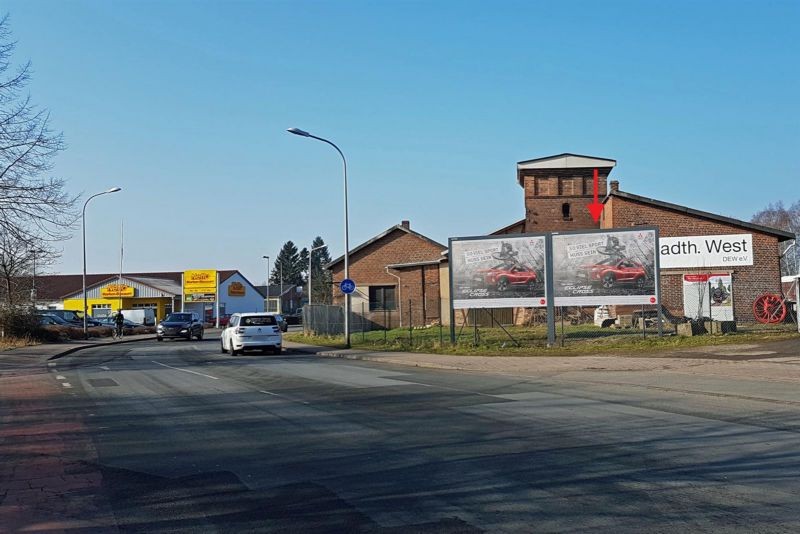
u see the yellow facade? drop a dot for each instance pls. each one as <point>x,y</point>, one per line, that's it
<point>115,303</point>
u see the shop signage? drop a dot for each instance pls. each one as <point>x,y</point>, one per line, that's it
<point>608,267</point>
<point>117,290</point>
<point>706,251</point>
<point>236,289</point>
<point>200,286</point>
<point>492,272</point>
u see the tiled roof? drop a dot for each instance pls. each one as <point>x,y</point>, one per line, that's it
<point>57,286</point>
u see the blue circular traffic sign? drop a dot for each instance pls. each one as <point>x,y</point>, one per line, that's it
<point>347,286</point>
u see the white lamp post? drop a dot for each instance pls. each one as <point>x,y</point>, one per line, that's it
<point>83,223</point>
<point>302,133</point>
<point>267,258</point>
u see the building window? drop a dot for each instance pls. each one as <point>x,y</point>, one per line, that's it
<point>381,298</point>
<point>565,211</point>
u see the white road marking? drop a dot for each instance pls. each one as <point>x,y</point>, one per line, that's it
<point>185,370</point>
<point>51,364</point>
<point>104,368</point>
<point>59,377</point>
<point>66,384</point>
<point>278,395</point>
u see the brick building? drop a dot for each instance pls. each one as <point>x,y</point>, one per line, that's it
<point>625,209</point>
<point>397,277</point>
<point>558,188</point>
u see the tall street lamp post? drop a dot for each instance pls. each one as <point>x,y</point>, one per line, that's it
<point>302,133</point>
<point>309,270</point>
<point>83,223</point>
<point>33,278</point>
<point>267,258</point>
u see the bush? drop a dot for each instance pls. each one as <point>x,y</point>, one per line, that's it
<point>18,322</point>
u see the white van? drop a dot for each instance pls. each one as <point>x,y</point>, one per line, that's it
<point>145,316</point>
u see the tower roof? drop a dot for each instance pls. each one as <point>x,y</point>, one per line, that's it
<point>564,161</point>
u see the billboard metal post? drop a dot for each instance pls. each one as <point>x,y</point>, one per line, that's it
<point>549,292</point>
<point>452,309</point>
<point>657,277</point>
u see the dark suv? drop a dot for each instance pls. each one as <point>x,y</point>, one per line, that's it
<point>183,325</point>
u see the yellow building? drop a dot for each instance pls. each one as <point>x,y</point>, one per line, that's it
<point>160,294</point>
<point>160,291</point>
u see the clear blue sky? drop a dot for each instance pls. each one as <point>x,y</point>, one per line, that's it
<point>185,106</point>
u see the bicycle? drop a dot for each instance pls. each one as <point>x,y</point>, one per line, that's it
<point>117,333</point>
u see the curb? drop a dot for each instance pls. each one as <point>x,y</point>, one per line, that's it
<point>84,347</point>
<point>381,359</point>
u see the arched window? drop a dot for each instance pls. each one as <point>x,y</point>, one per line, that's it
<point>565,211</point>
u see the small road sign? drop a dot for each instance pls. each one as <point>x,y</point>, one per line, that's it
<point>347,286</point>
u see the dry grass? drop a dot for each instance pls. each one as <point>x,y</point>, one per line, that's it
<point>577,340</point>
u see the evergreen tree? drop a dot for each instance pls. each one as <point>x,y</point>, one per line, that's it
<point>289,264</point>
<point>321,278</point>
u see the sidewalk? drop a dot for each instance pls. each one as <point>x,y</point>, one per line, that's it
<point>49,479</point>
<point>25,358</point>
<point>778,361</point>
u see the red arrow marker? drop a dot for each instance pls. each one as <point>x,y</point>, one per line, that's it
<point>595,208</point>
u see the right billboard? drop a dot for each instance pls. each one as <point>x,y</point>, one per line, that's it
<point>605,267</point>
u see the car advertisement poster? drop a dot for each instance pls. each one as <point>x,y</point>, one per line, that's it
<point>708,296</point>
<point>498,272</point>
<point>606,267</point>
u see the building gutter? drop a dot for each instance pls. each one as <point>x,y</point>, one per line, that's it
<point>399,296</point>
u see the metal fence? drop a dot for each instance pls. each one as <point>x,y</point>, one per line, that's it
<point>414,324</point>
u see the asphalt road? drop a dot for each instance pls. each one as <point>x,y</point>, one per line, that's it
<point>191,440</point>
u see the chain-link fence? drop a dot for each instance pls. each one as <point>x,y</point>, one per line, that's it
<point>417,324</point>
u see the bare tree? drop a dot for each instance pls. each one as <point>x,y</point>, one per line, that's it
<point>20,262</point>
<point>32,205</point>
<point>776,215</point>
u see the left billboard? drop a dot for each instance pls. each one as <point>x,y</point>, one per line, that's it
<point>200,285</point>
<point>498,272</point>
<point>605,267</point>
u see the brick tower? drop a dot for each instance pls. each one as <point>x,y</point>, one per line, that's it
<point>557,190</point>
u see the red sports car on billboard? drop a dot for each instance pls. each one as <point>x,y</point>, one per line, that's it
<point>503,277</point>
<point>612,271</point>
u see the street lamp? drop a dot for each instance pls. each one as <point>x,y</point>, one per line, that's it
<point>309,270</point>
<point>303,133</point>
<point>33,252</point>
<point>83,223</point>
<point>267,258</point>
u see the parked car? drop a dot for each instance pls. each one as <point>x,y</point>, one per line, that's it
<point>46,319</point>
<point>503,277</point>
<point>181,325</point>
<point>110,321</point>
<point>246,331</point>
<point>294,318</point>
<point>223,320</point>
<point>72,317</point>
<point>611,271</point>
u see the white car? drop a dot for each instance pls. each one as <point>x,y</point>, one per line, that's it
<point>246,331</point>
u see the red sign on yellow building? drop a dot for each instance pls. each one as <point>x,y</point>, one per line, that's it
<point>117,290</point>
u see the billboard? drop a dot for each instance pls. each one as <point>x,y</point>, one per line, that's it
<point>705,251</point>
<point>605,267</point>
<point>498,272</point>
<point>200,285</point>
<point>708,295</point>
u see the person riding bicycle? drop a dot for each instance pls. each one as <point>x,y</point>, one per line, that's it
<point>119,321</point>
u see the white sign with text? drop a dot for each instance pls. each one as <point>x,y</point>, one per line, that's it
<point>705,251</point>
